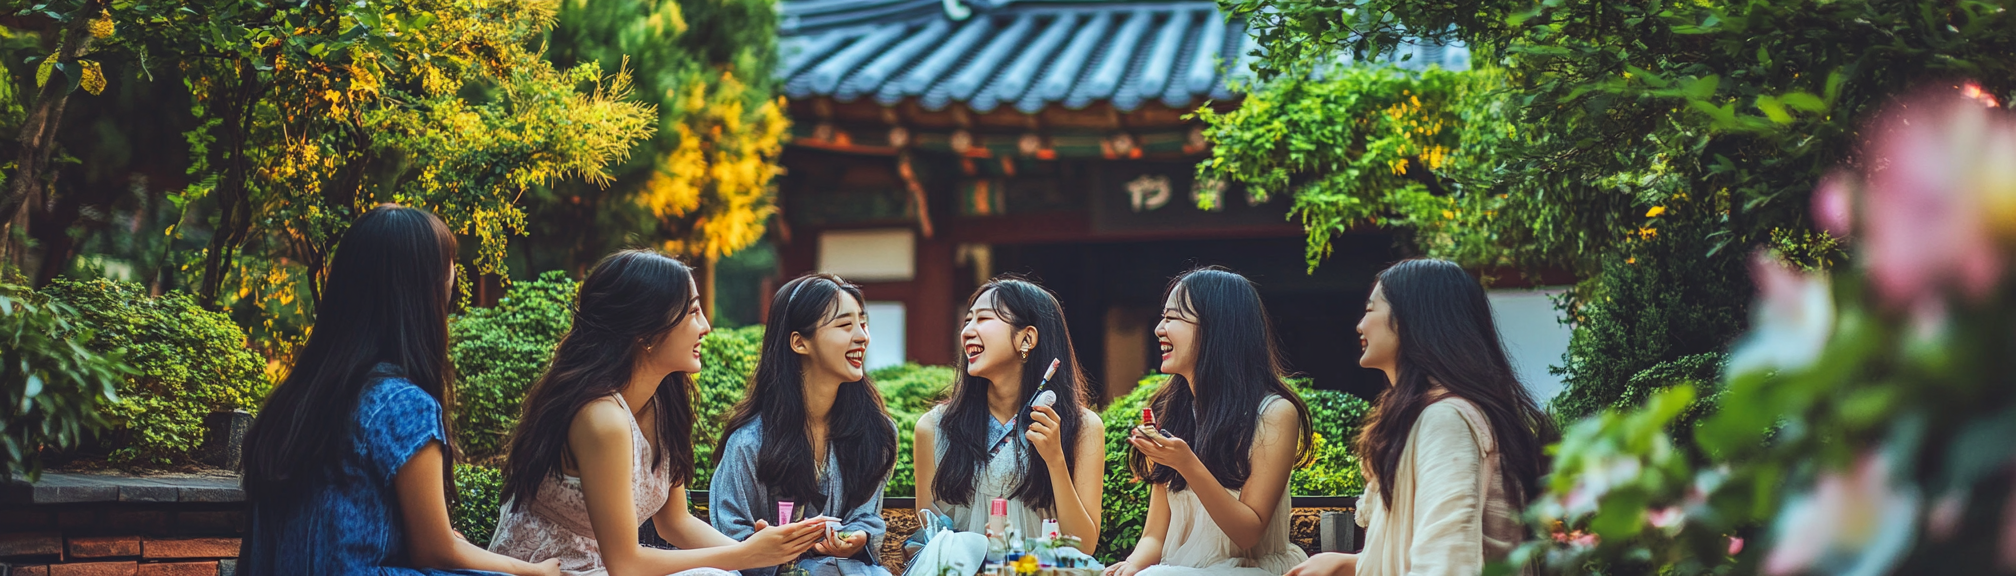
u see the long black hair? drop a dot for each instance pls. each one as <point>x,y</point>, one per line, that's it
<point>630,300</point>
<point>1448,339</point>
<point>963,427</point>
<point>386,300</point>
<point>1238,365</point>
<point>858,430</point>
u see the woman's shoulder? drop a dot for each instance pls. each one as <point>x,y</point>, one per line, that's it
<point>1454,415</point>
<point>391,396</point>
<point>750,434</point>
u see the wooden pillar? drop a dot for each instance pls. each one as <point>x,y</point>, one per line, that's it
<point>932,303</point>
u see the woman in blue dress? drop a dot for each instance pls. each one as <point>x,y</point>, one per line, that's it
<point>811,431</point>
<point>347,466</point>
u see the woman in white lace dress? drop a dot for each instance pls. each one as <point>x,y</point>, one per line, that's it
<point>606,438</point>
<point>1228,434</point>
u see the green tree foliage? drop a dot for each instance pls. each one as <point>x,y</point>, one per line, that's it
<point>499,351</point>
<point>52,383</point>
<point>1599,126</point>
<point>306,113</point>
<point>188,362</point>
<point>701,187</point>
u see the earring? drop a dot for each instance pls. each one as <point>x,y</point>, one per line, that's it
<point>1025,352</point>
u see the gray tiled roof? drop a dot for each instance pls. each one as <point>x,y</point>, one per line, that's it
<point>1027,55</point>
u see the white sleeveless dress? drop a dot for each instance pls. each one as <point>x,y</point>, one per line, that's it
<point>555,525</point>
<point>1196,546</point>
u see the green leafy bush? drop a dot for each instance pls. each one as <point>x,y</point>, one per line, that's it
<point>52,381</point>
<point>910,390</point>
<point>728,358</point>
<point>188,361</point>
<point>1334,471</point>
<point>498,353</point>
<point>479,495</point>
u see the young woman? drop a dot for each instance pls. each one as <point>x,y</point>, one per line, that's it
<point>968,450</point>
<point>1221,507</point>
<point>346,467</point>
<point>606,438</point>
<point>1453,450</point>
<point>811,431</point>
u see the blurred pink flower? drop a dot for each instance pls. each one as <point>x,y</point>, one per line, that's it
<point>1834,204</point>
<point>1853,524</point>
<point>1793,318</point>
<point>1927,227</point>
<point>1667,516</point>
<point>1735,545</point>
<point>2008,546</point>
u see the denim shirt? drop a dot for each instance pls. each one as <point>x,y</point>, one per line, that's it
<point>736,500</point>
<point>350,522</point>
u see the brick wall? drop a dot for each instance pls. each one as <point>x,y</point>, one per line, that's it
<point>120,539</point>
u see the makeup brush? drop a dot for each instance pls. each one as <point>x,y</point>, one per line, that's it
<point>1045,397</point>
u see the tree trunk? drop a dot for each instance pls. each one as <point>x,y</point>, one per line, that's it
<point>234,216</point>
<point>38,129</point>
<point>703,279</point>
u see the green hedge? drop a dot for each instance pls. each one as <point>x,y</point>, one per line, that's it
<point>1334,472</point>
<point>479,493</point>
<point>189,361</point>
<point>498,352</point>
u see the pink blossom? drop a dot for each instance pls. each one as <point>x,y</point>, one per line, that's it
<point>1794,317</point>
<point>2008,546</point>
<point>1834,204</point>
<point>1735,545</point>
<point>1667,517</point>
<point>1854,523</point>
<point>1925,218</point>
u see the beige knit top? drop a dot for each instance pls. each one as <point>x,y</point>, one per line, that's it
<point>1450,513</point>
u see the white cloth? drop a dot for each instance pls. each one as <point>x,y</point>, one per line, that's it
<point>957,553</point>
<point>1450,513</point>
<point>1196,546</point>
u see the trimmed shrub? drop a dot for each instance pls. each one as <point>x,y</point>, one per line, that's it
<point>498,353</point>
<point>909,390</point>
<point>728,357</point>
<point>1334,415</point>
<point>188,362</point>
<point>479,493</point>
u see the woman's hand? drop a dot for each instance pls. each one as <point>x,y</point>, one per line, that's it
<point>551,567</point>
<point>1168,451</point>
<point>1123,568</point>
<point>775,546</point>
<point>1327,564</point>
<point>838,547</point>
<point>1046,433</point>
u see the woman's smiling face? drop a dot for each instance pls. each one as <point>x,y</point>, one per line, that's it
<point>1381,344</point>
<point>679,349</point>
<point>839,345</point>
<point>989,341</point>
<point>1176,333</point>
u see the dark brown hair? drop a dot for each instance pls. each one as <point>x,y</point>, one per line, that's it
<point>630,300</point>
<point>385,301</point>
<point>1238,365</point>
<point>1448,339</point>
<point>962,429</point>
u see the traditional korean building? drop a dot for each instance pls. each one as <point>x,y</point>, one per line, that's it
<point>939,142</point>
